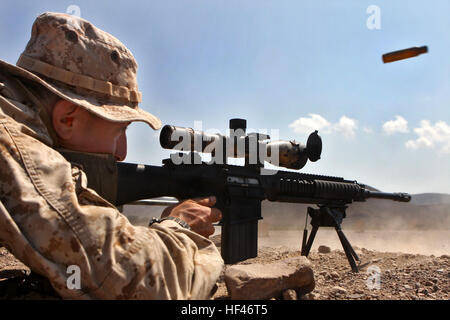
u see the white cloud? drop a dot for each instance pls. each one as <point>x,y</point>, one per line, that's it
<point>431,136</point>
<point>307,125</point>
<point>399,125</point>
<point>346,126</point>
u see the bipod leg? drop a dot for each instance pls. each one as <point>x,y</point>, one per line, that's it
<point>349,246</point>
<point>349,252</point>
<point>307,248</point>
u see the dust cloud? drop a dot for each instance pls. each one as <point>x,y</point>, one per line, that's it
<point>429,242</point>
<point>419,227</point>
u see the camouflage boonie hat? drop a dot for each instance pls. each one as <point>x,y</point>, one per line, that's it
<point>84,65</point>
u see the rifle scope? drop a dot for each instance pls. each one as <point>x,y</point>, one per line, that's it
<point>291,154</point>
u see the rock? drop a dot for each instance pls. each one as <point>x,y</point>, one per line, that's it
<point>435,288</point>
<point>428,283</point>
<point>324,249</point>
<point>423,291</point>
<point>334,275</point>
<point>338,290</point>
<point>310,296</point>
<point>11,272</point>
<point>289,294</point>
<point>355,296</point>
<point>263,281</point>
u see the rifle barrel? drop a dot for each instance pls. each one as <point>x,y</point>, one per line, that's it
<point>397,196</point>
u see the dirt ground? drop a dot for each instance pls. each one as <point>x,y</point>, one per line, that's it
<point>402,276</point>
<point>383,275</point>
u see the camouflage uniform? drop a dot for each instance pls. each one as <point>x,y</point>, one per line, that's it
<point>49,219</point>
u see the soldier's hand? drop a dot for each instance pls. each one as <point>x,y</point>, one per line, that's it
<point>198,213</point>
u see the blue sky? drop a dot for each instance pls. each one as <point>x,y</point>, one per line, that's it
<point>286,65</point>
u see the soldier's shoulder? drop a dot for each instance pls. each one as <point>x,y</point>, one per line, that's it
<point>14,86</point>
<point>9,88</point>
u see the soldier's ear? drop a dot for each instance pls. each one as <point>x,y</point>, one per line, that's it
<point>63,115</point>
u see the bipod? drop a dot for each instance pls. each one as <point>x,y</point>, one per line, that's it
<point>329,217</point>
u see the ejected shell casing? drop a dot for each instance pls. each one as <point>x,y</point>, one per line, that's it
<point>404,54</point>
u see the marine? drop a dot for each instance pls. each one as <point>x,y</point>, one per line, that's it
<point>73,90</point>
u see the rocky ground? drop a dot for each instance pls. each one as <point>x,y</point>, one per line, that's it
<point>402,276</point>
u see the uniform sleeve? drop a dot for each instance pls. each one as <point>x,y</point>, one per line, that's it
<point>52,222</point>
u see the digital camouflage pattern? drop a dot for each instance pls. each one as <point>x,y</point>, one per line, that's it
<point>50,220</point>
